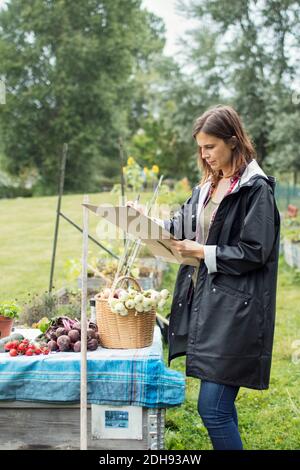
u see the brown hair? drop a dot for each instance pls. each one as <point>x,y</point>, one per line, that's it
<point>224,122</point>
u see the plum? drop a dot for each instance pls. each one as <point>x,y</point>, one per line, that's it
<point>91,334</point>
<point>63,342</point>
<point>52,345</point>
<point>74,335</point>
<point>92,344</point>
<point>77,346</point>
<point>76,326</point>
<point>60,331</point>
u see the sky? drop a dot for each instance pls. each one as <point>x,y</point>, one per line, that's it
<point>176,24</point>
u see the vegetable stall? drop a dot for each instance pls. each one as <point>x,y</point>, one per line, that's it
<point>91,383</point>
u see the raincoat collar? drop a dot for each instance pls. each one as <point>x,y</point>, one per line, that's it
<point>247,178</point>
<point>254,170</point>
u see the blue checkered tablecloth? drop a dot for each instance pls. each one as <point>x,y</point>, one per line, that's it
<point>115,376</point>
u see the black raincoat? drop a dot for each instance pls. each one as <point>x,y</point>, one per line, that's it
<point>225,325</point>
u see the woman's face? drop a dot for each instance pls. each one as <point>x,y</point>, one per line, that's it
<point>216,152</point>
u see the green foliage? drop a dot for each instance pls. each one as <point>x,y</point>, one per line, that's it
<point>290,229</point>
<point>292,234</point>
<point>284,139</point>
<point>49,304</point>
<point>137,179</point>
<point>9,309</point>
<point>182,191</point>
<point>241,57</point>
<point>89,75</point>
<point>134,176</point>
<point>37,307</point>
<point>43,324</point>
<point>70,77</point>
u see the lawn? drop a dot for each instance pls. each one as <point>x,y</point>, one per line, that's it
<point>26,240</point>
<point>268,419</point>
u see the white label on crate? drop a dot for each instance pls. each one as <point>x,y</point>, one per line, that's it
<point>116,419</point>
<point>117,422</point>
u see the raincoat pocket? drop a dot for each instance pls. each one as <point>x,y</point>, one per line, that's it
<point>229,323</point>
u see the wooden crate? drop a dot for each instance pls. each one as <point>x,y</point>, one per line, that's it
<point>32,425</point>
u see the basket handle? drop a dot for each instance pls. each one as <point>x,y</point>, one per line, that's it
<point>120,279</point>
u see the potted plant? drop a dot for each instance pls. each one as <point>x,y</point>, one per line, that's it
<point>8,312</point>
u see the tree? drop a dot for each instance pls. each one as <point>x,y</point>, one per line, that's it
<point>70,77</point>
<point>250,61</point>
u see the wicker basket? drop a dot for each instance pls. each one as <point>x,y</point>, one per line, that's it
<point>124,332</point>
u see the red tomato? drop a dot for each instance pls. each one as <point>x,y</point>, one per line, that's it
<point>13,352</point>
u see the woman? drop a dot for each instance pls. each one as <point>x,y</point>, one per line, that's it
<point>223,312</point>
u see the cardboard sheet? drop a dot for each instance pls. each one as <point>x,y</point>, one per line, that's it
<point>142,227</point>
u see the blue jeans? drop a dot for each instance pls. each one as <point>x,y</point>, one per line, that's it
<point>218,413</point>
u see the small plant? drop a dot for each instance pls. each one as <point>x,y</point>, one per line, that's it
<point>151,176</point>
<point>37,307</point>
<point>137,178</point>
<point>9,309</point>
<point>134,176</point>
<point>50,304</point>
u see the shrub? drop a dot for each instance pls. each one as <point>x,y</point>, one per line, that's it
<point>9,309</point>
<point>50,305</point>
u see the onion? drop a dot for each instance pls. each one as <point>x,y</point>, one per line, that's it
<point>123,313</point>
<point>129,304</point>
<point>156,296</point>
<point>139,308</point>
<point>161,303</point>
<point>113,302</point>
<point>123,296</point>
<point>120,307</point>
<point>164,293</point>
<point>132,291</point>
<point>147,303</point>
<point>138,299</point>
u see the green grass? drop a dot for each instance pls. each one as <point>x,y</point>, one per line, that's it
<point>26,240</point>
<point>268,419</point>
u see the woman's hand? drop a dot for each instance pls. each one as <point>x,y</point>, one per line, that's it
<point>188,248</point>
<point>139,207</point>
